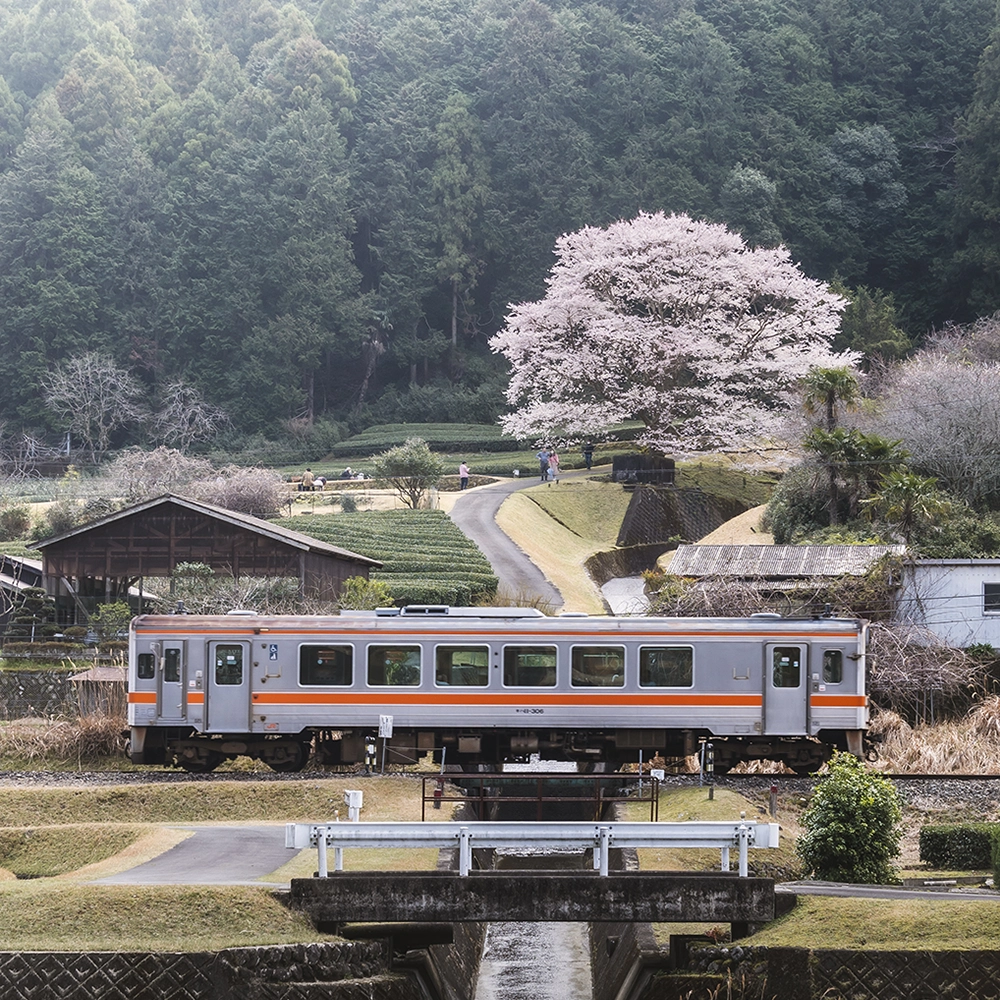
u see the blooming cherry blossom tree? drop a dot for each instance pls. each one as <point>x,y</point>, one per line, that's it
<point>668,320</point>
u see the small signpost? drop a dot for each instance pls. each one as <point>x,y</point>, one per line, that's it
<point>385,733</point>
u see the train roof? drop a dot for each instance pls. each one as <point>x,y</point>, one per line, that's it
<point>432,618</point>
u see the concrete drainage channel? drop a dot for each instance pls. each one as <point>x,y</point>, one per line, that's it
<point>515,960</point>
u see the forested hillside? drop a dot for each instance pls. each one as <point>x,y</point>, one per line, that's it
<point>323,210</point>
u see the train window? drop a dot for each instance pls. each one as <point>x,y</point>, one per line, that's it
<point>145,666</point>
<point>786,666</point>
<point>398,666</point>
<point>172,666</point>
<point>529,666</point>
<point>228,664</point>
<point>833,666</point>
<point>598,666</point>
<point>991,598</point>
<point>463,666</point>
<point>666,666</point>
<point>326,665</point>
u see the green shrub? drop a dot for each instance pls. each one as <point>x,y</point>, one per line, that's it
<point>360,594</point>
<point>995,854</point>
<point>15,522</point>
<point>852,825</point>
<point>959,846</point>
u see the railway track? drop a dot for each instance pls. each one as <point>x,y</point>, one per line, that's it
<point>178,776</point>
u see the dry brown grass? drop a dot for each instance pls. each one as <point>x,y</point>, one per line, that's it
<point>967,746</point>
<point>62,742</point>
<point>95,735</point>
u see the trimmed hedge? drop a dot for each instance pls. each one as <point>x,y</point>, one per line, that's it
<point>959,846</point>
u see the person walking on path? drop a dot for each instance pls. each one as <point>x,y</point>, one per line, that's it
<point>553,466</point>
<point>543,463</point>
<point>588,454</point>
<point>463,476</point>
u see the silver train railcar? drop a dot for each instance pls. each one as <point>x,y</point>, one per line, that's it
<point>488,685</point>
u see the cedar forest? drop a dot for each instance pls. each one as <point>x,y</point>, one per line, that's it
<point>322,211</point>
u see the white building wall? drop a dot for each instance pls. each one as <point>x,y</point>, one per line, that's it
<point>947,596</point>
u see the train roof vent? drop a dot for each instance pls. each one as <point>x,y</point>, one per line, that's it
<point>429,610</point>
<point>242,613</point>
<point>766,614</point>
<point>573,614</point>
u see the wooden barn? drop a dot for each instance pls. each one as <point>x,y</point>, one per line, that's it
<point>114,557</point>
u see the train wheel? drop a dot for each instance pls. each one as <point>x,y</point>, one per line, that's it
<point>286,757</point>
<point>200,761</point>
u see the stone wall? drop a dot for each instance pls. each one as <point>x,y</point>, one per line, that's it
<point>341,970</point>
<point>660,514</point>
<point>749,973</point>
<point>36,693</point>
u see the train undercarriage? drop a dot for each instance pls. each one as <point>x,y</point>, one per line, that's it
<point>481,750</point>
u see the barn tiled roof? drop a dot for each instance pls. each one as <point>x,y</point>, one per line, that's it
<point>778,561</point>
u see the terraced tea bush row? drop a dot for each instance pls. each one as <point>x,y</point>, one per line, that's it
<point>426,559</point>
<point>454,439</point>
<point>440,437</point>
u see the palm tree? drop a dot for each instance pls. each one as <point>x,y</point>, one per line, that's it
<point>833,449</point>
<point>825,388</point>
<point>908,500</point>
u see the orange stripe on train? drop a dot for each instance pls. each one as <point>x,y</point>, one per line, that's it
<point>535,700</point>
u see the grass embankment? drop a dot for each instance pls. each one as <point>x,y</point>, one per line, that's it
<point>560,525</point>
<point>884,925</point>
<point>818,921</point>
<point>53,916</point>
<point>61,837</point>
<point>56,839</point>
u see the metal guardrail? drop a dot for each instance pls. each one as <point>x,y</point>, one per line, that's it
<point>598,790</point>
<point>465,836</point>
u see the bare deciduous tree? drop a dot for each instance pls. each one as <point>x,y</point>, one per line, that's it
<point>137,475</point>
<point>21,453</point>
<point>947,413</point>
<point>204,591</point>
<point>184,416</point>
<point>255,491</point>
<point>94,397</point>
<point>913,673</point>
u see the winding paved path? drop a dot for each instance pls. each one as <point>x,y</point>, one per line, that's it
<point>475,514</point>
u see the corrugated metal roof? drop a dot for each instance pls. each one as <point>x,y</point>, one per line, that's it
<point>776,561</point>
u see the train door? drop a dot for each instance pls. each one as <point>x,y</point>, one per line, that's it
<point>227,694</point>
<point>172,682</point>
<point>786,677</point>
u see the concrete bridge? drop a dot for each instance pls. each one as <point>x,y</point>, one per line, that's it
<point>574,896</point>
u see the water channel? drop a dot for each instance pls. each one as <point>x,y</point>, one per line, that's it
<point>537,961</point>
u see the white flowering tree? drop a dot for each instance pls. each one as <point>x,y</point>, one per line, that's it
<point>671,321</point>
